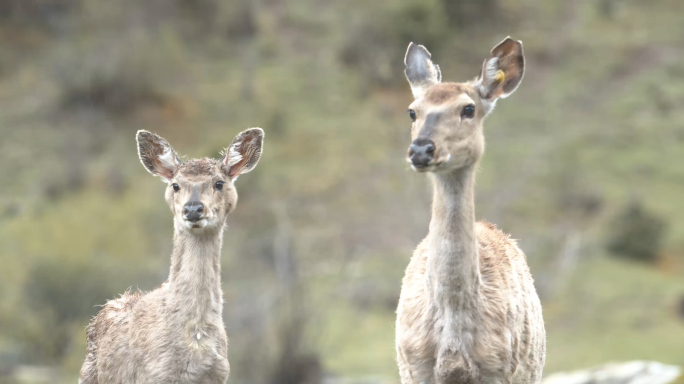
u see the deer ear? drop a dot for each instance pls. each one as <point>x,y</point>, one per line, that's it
<point>420,71</point>
<point>244,152</point>
<point>503,71</point>
<point>156,155</point>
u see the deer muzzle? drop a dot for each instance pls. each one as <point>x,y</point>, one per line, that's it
<point>193,211</point>
<point>421,152</point>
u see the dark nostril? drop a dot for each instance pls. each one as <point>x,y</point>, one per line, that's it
<point>193,211</point>
<point>422,151</point>
<point>430,150</point>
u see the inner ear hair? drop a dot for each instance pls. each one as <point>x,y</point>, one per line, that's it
<point>156,154</point>
<point>502,73</point>
<point>244,152</point>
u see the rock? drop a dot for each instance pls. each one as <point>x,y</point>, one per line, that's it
<point>36,374</point>
<point>633,372</point>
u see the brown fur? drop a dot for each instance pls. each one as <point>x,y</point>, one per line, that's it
<point>444,92</point>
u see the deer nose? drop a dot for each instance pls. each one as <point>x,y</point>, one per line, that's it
<point>421,152</point>
<point>193,211</point>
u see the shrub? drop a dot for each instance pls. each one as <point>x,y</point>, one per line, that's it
<point>376,47</point>
<point>119,77</point>
<point>58,295</point>
<point>48,15</point>
<point>467,13</point>
<point>118,96</point>
<point>636,233</point>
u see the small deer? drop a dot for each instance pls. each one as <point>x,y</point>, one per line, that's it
<point>175,333</point>
<point>468,311</point>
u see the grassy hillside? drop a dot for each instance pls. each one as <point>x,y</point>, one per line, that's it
<point>597,124</point>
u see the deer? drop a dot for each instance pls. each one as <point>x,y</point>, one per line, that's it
<point>175,333</point>
<point>468,312</point>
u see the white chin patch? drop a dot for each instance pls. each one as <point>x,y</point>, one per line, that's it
<point>197,225</point>
<point>429,168</point>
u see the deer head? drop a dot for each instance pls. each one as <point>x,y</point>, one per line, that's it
<point>447,117</point>
<point>201,192</point>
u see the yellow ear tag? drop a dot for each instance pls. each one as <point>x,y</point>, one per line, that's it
<point>500,76</point>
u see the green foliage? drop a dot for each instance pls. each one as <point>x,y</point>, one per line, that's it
<point>68,289</point>
<point>43,14</point>
<point>467,13</point>
<point>115,95</point>
<point>55,296</point>
<point>128,83</point>
<point>61,294</point>
<point>598,117</point>
<point>636,233</point>
<point>377,45</point>
<point>609,310</point>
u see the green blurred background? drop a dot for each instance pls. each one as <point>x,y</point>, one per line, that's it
<point>584,165</point>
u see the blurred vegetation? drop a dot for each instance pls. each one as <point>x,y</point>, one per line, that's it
<point>316,249</point>
<point>63,294</point>
<point>636,234</point>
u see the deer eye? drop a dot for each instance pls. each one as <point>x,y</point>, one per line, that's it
<point>468,111</point>
<point>219,185</point>
<point>412,114</point>
<point>176,187</point>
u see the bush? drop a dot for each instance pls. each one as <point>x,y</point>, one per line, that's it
<point>119,77</point>
<point>59,295</point>
<point>48,15</point>
<point>636,233</point>
<point>118,96</point>
<point>467,13</point>
<point>376,47</point>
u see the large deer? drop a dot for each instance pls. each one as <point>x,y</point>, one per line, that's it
<point>175,334</point>
<point>468,311</point>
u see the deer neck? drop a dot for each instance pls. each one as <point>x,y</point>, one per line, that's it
<point>453,271</point>
<point>195,278</point>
